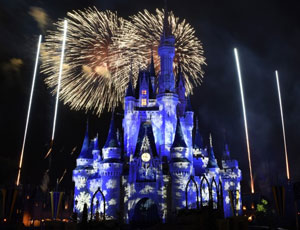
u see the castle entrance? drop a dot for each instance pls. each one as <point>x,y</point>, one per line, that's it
<point>145,213</point>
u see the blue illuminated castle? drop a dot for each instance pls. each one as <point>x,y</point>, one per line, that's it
<point>162,165</point>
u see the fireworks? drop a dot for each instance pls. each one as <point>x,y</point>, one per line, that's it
<point>91,59</point>
<point>147,29</point>
<point>245,116</point>
<point>283,128</point>
<point>101,46</point>
<point>29,109</point>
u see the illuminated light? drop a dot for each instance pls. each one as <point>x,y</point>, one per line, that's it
<point>244,208</point>
<point>144,101</point>
<point>283,128</point>
<point>59,75</point>
<point>252,206</point>
<point>5,220</point>
<point>29,109</point>
<point>66,206</point>
<point>245,117</point>
<point>101,48</point>
<point>27,197</point>
<point>250,218</point>
<point>144,92</point>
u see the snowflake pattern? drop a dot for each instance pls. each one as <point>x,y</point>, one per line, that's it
<point>83,198</point>
<point>80,182</point>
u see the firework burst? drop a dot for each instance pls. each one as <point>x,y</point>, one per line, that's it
<point>99,49</point>
<point>92,61</point>
<point>147,29</point>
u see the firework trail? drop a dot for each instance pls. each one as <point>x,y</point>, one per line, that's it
<point>58,85</point>
<point>91,60</point>
<point>29,109</point>
<point>101,47</point>
<point>245,116</point>
<point>148,28</point>
<point>283,128</point>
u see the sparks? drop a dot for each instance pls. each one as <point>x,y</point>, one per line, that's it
<point>245,116</point>
<point>29,109</point>
<point>101,47</point>
<point>147,29</point>
<point>59,76</point>
<point>283,128</point>
<point>92,58</point>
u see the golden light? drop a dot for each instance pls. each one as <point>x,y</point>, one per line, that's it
<point>250,218</point>
<point>5,220</point>
<point>244,208</point>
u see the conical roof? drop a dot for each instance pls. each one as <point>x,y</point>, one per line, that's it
<point>152,68</point>
<point>188,107</point>
<point>112,140</point>
<point>198,140</point>
<point>179,138</point>
<point>226,152</point>
<point>130,90</point>
<point>212,162</point>
<point>85,153</point>
<point>145,132</point>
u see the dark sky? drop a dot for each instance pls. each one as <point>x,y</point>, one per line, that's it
<point>267,34</point>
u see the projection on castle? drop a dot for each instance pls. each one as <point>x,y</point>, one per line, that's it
<point>162,165</point>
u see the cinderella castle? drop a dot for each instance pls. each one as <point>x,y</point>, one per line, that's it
<point>162,165</point>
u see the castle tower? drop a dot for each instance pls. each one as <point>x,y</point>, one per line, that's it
<point>231,183</point>
<point>84,168</point>
<point>180,89</point>
<point>167,98</point>
<point>110,170</point>
<point>166,51</point>
<point>131,119</point>
<point>152,73</point>
<point>180,168</point>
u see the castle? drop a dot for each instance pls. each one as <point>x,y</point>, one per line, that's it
<point>162,165</point>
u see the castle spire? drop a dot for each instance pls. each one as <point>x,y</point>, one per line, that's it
<point>166,26</point>
<point>130,90</point>
<point>96,143</point>
<point>166,51</point>
<point>179,138</point>
<point>85,153</point>
<point>112,140</point>
<point>212,162</point>
<point>152,67</point>
<point>198,141</point>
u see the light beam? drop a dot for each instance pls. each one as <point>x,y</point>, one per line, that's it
<point>245,116</point>
<point>59,76</point>
<point>29,109</point>
<point>283,128</point>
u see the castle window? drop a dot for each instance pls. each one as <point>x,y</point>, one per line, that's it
<point>144,101</point>
<point>144,92</point>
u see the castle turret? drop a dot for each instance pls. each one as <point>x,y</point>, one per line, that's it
<point>166,51</point>
<point>110,170</point>
<point>180,88</point>
<point>152,73</point>
<point>84,168</point>
<point>231,182</point>
<point>180,168</point>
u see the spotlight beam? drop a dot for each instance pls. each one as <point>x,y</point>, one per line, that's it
<point>29,109</point>
<point>59,76</point>
<point>245,116</point>
<point>283,128</point>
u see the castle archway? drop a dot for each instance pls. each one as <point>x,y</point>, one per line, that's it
<point>145,212</point>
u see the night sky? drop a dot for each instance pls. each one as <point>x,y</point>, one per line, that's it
<point>267,34</point>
